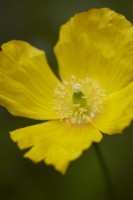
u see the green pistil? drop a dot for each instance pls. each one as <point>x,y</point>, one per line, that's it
<point>79,99</point>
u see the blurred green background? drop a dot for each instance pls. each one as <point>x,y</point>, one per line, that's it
<point>38,22</point>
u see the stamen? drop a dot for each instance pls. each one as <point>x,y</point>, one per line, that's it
<point>78,101</point>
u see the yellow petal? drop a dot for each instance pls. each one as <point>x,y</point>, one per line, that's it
<point>98,44</point>
<point>117,112</point>
<point>26,81</point>
<point>56,142</point>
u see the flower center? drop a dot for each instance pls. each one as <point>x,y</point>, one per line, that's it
<point>78,101</point>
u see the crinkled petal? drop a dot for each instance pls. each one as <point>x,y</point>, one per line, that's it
<point>26,81</point>
<point>117,112</point>
<point>98,44</point>
<point>56,142</point>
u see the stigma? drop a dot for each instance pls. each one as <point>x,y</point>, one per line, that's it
<point>76,87</point>
<point>78,101</point>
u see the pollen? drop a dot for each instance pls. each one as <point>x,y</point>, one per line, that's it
<point>78,101</point>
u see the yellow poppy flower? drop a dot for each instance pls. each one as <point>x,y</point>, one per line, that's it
<point>94,95</point>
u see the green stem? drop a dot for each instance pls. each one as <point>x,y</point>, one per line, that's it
<point>105,172</point>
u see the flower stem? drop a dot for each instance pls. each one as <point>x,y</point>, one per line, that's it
<point>105,172</point>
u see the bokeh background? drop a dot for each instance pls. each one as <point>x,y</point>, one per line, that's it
<point>38,22</point>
